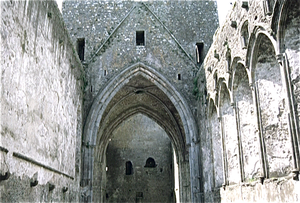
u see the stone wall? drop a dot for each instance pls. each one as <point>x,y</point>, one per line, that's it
<point>252,104</point>
<point>136,140</point>
<point>41,105</point>
<point>109,29</point>
<point>166,62</point>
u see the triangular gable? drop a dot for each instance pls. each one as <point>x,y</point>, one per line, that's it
<point>156,17</point>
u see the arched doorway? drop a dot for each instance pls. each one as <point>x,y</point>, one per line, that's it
<point>138,89</point>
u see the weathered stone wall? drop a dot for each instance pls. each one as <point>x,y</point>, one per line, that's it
<point>252,83</point>
<point>172,29</point>
<point>41,105</point>
<point>109,29</point>
<point>137,139</point>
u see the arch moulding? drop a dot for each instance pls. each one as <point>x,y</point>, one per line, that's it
<point>102,100</point>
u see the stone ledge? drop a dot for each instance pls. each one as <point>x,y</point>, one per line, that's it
<point>20,156</point>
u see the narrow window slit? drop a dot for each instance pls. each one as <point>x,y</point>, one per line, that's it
<point>179,76</point>
<point>129,170</point>
<point>80,48</point>
<point>140,38</point>
<point>199,52</point>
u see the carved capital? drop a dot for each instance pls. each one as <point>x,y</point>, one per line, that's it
<point>280,58</point>
<point>295,174</point>
<point>251,85</point>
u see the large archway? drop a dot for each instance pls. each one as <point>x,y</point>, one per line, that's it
<point>138,89</point>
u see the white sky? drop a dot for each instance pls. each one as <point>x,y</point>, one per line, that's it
<point>223,7</point>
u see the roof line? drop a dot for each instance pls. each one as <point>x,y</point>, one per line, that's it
<point>173,37</point>
<point>98,50</point>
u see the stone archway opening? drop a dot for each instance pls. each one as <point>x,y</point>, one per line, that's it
<point>139,92</point>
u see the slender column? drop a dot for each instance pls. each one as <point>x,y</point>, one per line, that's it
<point>239,139</point>
<point>224,153</point>
<point>293,124</point>
<point>263,158</point>
<point>212,153</point>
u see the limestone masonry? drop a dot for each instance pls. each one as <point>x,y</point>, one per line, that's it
<point>150,101</point>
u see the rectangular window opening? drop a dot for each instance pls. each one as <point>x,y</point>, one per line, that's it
<point>139,195</point>
<point>179,76</point>
<point>140,38</point>
<point>267,8</point>
<point>199,52</point>
<point>80,48</point>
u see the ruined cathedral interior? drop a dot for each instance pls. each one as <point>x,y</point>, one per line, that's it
<point>150,101</point>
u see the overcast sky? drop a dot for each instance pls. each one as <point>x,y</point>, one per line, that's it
<point>223,7</point>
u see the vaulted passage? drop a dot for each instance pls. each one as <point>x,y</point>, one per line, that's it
<point>139,132</point>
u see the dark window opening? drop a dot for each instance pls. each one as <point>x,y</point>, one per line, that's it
<point>199,52</point>
<point>139,195</point>
<point>150,163</point>
<point>267,7</point>
<point>228,58</point>
<point>80,48</point>
<point>179,76</point>
<point>140,38</point>
<point>129,170</point>
<point>216,82</point>
<point>245,35</point>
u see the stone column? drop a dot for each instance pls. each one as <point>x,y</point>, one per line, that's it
<point>196,178</point>
<point>237,119</point>
<point>224,154</point>
<point>184,183</point>
<point>293,124</point>
<point>263,158</point>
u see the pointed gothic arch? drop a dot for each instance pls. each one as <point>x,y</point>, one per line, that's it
<point>270,103</point>
<point>94,130</point>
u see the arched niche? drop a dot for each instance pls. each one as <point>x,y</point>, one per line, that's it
<point>129,168</point>
<point>245,115</point>
<point>229,134</point>
<point>272,107</point>
<point>289,44</point>
<point>216,143</point>
<point>150,163</point>
<point>139,89</point>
